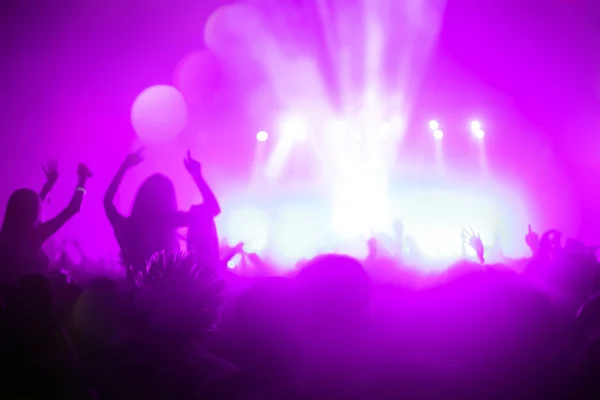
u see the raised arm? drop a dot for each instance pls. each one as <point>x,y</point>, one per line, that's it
<point>109,206</point>
<point>210,203</point>
<point>473,240</point>
<point>50,227</point>
<point>51,172</point>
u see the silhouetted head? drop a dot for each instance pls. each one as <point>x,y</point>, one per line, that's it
<point>335,289</point>
<point>155,197</point>
<point>22,212</point>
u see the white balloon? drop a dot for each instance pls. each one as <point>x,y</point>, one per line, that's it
<point>159,114</point>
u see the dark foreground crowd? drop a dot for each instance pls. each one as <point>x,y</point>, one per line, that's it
<point>183,326</point>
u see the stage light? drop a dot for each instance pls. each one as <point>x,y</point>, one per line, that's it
<point>262,136</point>
<point>295,128</point>
<point>434,125</point>
<point>479,134</point>
<point>475,126</point>
<point>234,262</point>
<point>438,134</point>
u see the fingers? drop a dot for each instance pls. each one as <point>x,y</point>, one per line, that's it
<point>140,151</point>
<point>466,236</point>
<point>529,228</point>
<point>189,155</point>
<point>51,166</point>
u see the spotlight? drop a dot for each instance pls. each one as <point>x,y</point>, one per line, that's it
<point>479,134</point>
<point>438,134</point>
<point>434,125</point>
<point>475,126</point>
<point>262,136</point>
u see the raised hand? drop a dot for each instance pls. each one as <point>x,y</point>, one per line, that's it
<point>192,166</point>
<point>551,239</point>
<point>532,239</point>
<point>474,241</point>
<point>51,172</point>
<point>134,158</point>
<point>83,172</point>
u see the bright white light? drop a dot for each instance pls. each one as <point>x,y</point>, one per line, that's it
<point>479,134</point>
<point>438,134</point>
<point>262,136</point>
<point>434,125</point>
<point>386,130</point>
<point>248,225</point>
<point>433,216</point>
<point>338,126</point>
<point>235,261</point>
<point>294,128</point>
<point>360,206</point>
<point>475,126</point>
<point>297,233</point>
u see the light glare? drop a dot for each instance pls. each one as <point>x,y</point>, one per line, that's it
<point>262,136</point>
<point>475,126</point>
<point>294,128</point>
<point>434,125</point>
<point>438,134</point>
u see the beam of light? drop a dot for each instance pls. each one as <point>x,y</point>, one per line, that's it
<point>291,131</point>
<point>434,125</point>
<point>258,165</point>
<point>483,159</point>
<point>374,78</point>
<point>439,155</point>
<point>479,136</point>
<point>355,64</point>
<point>278,157</point>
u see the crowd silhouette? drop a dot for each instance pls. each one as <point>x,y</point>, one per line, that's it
<point>174,325</point>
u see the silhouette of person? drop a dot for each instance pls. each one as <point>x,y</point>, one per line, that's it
<point>152,225</point>
<point>23,234</point>
<point>202,238</point>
